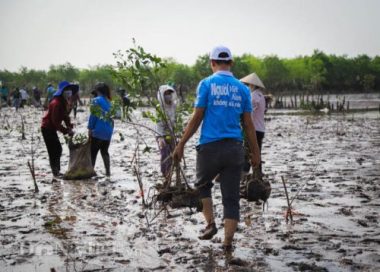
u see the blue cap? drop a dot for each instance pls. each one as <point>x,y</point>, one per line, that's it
<point>66,85</point>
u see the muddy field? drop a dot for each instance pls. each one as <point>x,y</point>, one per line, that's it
<point>100,224</point>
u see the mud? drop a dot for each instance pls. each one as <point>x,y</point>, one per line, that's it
<point>100,224</point>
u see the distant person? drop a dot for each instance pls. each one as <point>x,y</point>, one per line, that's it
<point>36,96</point>
<point>4,94</point>
<point>16,97</point>
<point>75,99</point>
<point>58,112</point>
<point>222,102</point>
<point>50,91</point>
<point>100,128</point>
<point>24,97</point>
<point>126,102</point>
<point>167,98</point>
<point>259,108</point>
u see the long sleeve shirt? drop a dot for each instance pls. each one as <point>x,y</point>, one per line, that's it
<point>258,102</point>
<point>55,115</point>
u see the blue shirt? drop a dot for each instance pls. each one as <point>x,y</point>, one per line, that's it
<point>225,99</point>
<point>4,91</point>
<point>101,128</point>
<point>50,93</point>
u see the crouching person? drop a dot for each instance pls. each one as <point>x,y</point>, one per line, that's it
<point>100,125</point>
<point>222,101</point>
<point>165,127</point>
<point>58,112</point>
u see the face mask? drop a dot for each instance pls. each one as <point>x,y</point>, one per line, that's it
<point>168,98</point>
<point>67,94</point>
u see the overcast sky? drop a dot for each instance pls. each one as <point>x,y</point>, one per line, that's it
<point>38,33</point>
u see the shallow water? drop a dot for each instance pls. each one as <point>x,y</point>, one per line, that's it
<point>101,224</point>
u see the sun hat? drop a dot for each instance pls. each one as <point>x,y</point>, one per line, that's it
<point>220,52</point>
<point>253,79</point>
<point>64,85</point>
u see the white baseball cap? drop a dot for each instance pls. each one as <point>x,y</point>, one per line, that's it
<point>220,53</point>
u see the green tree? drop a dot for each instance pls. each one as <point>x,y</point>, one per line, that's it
<point>89,77</point>
<point>275,73</point>
<point>61,72</point>
<point>241,67</point>
<point>138,71</point>
<point>201,68</point>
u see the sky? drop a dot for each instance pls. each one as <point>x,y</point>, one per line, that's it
<point>38,33</point>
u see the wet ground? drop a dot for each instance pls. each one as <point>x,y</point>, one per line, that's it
<point>331,161</point>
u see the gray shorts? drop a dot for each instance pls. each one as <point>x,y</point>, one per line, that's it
<point>226,158</point>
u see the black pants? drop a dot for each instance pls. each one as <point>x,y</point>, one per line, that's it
<point>247,164</point>
<point>102,145</point>
<point>226,158</point>
<point>75,109</point>
<point>54,149</point>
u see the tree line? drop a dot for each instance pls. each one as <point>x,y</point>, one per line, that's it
<point>316,74</point>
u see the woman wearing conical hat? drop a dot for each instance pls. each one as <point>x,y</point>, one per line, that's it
<point>259,106</point>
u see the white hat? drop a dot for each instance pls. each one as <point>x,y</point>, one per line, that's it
<point>216,51</point>
<point>253,79</point>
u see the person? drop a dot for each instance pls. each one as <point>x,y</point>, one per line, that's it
<point>222,102</point>
<point>36,97</point>
<point>259,108</point>
<point>16,96</point>
<point>126,102</point>
<point>100,126</point>
<point>58,112</point>
<point>24,97</point>
<point>167,97</point>
<point>75,99</point>
<point>50,91</point>
<point>4,94</point>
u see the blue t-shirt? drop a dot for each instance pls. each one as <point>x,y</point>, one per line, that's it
<point>225,99</point>
<point>102,128</point>
<point>50,93</point>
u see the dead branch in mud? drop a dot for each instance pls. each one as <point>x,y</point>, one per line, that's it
<point>136,169</point>
<point>31,169</point>
<point>290,200</point>
<point>22,127</point>
<point>289,210</point>
<point>30,152</point>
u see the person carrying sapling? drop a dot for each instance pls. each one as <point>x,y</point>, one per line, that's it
<point>167,98</point>
<point>100,125</point>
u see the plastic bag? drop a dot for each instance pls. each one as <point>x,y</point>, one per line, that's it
<point>80,164</point>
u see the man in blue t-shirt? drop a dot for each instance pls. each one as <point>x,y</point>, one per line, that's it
<point>222,103</point>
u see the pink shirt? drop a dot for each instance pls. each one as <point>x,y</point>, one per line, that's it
<point>258,103</point>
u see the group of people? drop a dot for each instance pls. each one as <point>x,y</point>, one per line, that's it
<point>20,97</point>
<point>229,111</point>
<point>100,128</point>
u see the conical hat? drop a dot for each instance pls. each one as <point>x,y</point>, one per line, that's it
<point>253,79</point>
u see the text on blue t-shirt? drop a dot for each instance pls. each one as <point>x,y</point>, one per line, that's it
<point>225,99</point>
